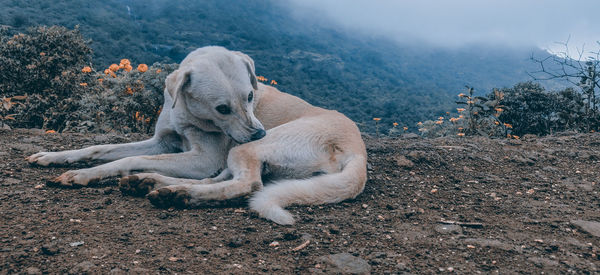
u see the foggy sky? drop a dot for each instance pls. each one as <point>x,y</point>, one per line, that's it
<point>455,23</point>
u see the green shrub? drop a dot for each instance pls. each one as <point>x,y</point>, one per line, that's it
<point>43,66</point>
<point>44,85</point>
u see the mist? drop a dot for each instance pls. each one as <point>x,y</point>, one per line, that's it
<point>458,23</point>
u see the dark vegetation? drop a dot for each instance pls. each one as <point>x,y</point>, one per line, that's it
<point>362,77</point>
<point>44,85</point>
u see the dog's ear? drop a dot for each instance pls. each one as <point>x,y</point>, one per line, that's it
<point>250,67</point>
<point>176,82</point>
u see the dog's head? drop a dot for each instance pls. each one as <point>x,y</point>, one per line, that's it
<point>218,86</point>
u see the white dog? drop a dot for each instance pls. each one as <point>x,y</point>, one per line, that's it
<point>214,120</point>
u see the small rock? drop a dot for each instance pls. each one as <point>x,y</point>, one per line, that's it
<point>163,215</point>
<point>448,229</point>
<point>542,262</point>
<point>346,263</point>
<point>117,271</point>
<point>175,259</point>
<point>201,250</point>
<point>592,228</point>
<point>333,229</point>
<point>404,163</point>
<point>236,242</point>
<point>85,267</point>
<point>50,249</point>
<point>139,270</point>
<point>33,271</point>
<point>74,244</point>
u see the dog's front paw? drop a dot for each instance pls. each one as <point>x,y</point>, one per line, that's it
<point>75,178</point>
<point>42,158</point>
<point>47,158</point>
<point>170,197</point>
<point>136,186</point>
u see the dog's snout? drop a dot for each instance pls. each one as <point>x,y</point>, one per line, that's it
<point>260,133</point>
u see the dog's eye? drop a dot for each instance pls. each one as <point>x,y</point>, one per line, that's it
<point>250,96</point>
<point>223,109</point>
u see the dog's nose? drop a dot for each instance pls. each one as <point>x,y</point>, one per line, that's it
<point>260,133</point>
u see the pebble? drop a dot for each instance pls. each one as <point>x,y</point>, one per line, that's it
<point>347,264</point>
<point>33,271</point>
<point>85,267</point>
<point>50,249</point>
<point>404,163</point>
<point>448,229</point>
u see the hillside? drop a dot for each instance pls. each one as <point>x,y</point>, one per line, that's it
<point>364,77</point>
<point>430,205</point>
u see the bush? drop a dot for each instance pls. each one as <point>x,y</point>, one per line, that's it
<point>42,69</point>
<point>532,110</point>
<point>47,82</point>
<point>129,102</point>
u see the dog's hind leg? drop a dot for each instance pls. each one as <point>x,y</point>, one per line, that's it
<point>142,183</point>
<point>244,169</point>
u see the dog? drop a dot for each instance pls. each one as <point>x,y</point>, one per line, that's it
<point>221,132</point>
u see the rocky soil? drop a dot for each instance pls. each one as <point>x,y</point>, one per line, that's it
<point>465,205</point>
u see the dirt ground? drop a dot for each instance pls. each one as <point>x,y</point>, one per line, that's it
<point>523,206</point>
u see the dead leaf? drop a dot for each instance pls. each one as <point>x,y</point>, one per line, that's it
<point>6,103</point>
<point>19,97</point>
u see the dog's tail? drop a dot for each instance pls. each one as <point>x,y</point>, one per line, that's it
<point>328,188</point>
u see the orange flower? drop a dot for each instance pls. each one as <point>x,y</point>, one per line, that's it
<point>125,62</point>
<point>460,109</point>
<point>42,53</point>
<point>273,82</point>
<point>107,71</point>
<point>420,123</point>
<point>376,118</point>
<point>86,69</point>
<point>405,128</point>
<point>114,67</point>
<point>496,122</point>
<point>395,124</point>
<point>158,71</point>
<point>441,118</point>
<point>127,68</point>
<point>142,68</point>
<point>499,109</point>
<point>113,74</point>
<point>50,132</point>
<point>83,84</point>
<point>516,137</point>
<point>261,78</point>
<point>439,122</point>
<point>100,80</point>
<point>507,125</point>
<point>461,134</point>
<point>129,91</point>
<point>461,95</point>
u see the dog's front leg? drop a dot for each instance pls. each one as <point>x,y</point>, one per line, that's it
<point>108,152</point>
<point>191,164</point>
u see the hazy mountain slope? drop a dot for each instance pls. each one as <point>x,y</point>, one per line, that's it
<point>362,77</point>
